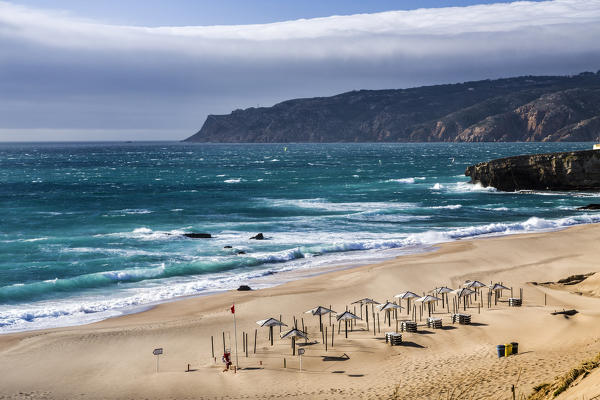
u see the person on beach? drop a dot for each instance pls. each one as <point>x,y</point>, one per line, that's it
<point>227,360</point>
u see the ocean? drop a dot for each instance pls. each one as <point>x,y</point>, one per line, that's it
<point>93,230</point>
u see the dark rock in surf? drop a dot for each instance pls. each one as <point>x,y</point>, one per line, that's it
<point>244,288</point>
<point>198,235</point>
<point>227,247</point>
<point>593,206</point>
<point>259,236</point>
<point>241,252</point>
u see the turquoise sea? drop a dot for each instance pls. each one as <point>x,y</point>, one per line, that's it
<point>92,230</point>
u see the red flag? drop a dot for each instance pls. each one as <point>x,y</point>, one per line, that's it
<point>233,309</point>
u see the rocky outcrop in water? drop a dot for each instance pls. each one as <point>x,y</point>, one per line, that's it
<point>530,108</point>
<point>576,170</point>
<point>590,207</point>
<point>198,235</point>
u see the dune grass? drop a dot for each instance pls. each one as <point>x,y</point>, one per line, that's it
<point>561,383</point>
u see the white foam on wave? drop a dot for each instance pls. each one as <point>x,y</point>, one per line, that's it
<point>144,233</point>
<point>133,211</point>
<point>323,204</point>
<point>448,207</point>
<point>233,180</point>
<point>462,187</point>
<point>437,186</point>
<point>407,180</point>
<point>70,311</point>
<point>82,310</point>
<point>112,251</point>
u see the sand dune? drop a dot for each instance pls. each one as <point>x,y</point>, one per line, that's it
<point>113,358</point>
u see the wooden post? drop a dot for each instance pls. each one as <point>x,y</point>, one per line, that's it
<point>223,342</point>
<point>332,334</point>
<point>246,345</point>
<point>212,346</point>
<point>346,326</point>
<point>284,364</point>
<point>378,324</point>
<point>374,322</point>
<point>367,314</point>
<point>325,338</point>
<point>255,334</point>
<point>293,346</point>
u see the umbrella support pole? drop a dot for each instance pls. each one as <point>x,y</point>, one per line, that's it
<point>346,326</point>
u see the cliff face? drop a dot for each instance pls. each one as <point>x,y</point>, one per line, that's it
<point>576,170</point>
<point>516,109</point>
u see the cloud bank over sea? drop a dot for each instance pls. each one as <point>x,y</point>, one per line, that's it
<point>64,73</point>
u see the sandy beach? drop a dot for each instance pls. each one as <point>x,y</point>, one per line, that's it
<point>113,358</point>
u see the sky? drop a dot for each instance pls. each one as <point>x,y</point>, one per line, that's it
<point>153,70</point>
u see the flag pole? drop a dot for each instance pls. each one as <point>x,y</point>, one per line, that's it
<point>237,364</point>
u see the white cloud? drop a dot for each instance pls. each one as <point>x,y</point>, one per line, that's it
<point>182,73</point>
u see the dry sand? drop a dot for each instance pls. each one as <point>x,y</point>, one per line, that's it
<point>113,358</point>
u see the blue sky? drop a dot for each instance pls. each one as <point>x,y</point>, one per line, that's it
<point>149,70</point>
<point>230,12</point>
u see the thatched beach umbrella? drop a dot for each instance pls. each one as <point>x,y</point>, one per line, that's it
<point>387,307</point>
<point>270,322</point>
<point>364,302</point>
<point>474,285</point>
<point>443,290</point>
<point>498,287</point>
<point>428,300</point>
<point>320,311</point>
<point>346,315</point>
<point>462,293</point>
<point>293,334</point>
<point>407,296</point>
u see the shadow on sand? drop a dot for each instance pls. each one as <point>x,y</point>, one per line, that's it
<point>343,357</point>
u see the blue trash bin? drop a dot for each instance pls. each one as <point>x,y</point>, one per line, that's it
<point>500,349</point>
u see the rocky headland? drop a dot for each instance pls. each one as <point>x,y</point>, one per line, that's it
<point>528,108</point>
<point>575,170</point>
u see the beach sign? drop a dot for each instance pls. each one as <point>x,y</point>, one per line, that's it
<point>157,353</point>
